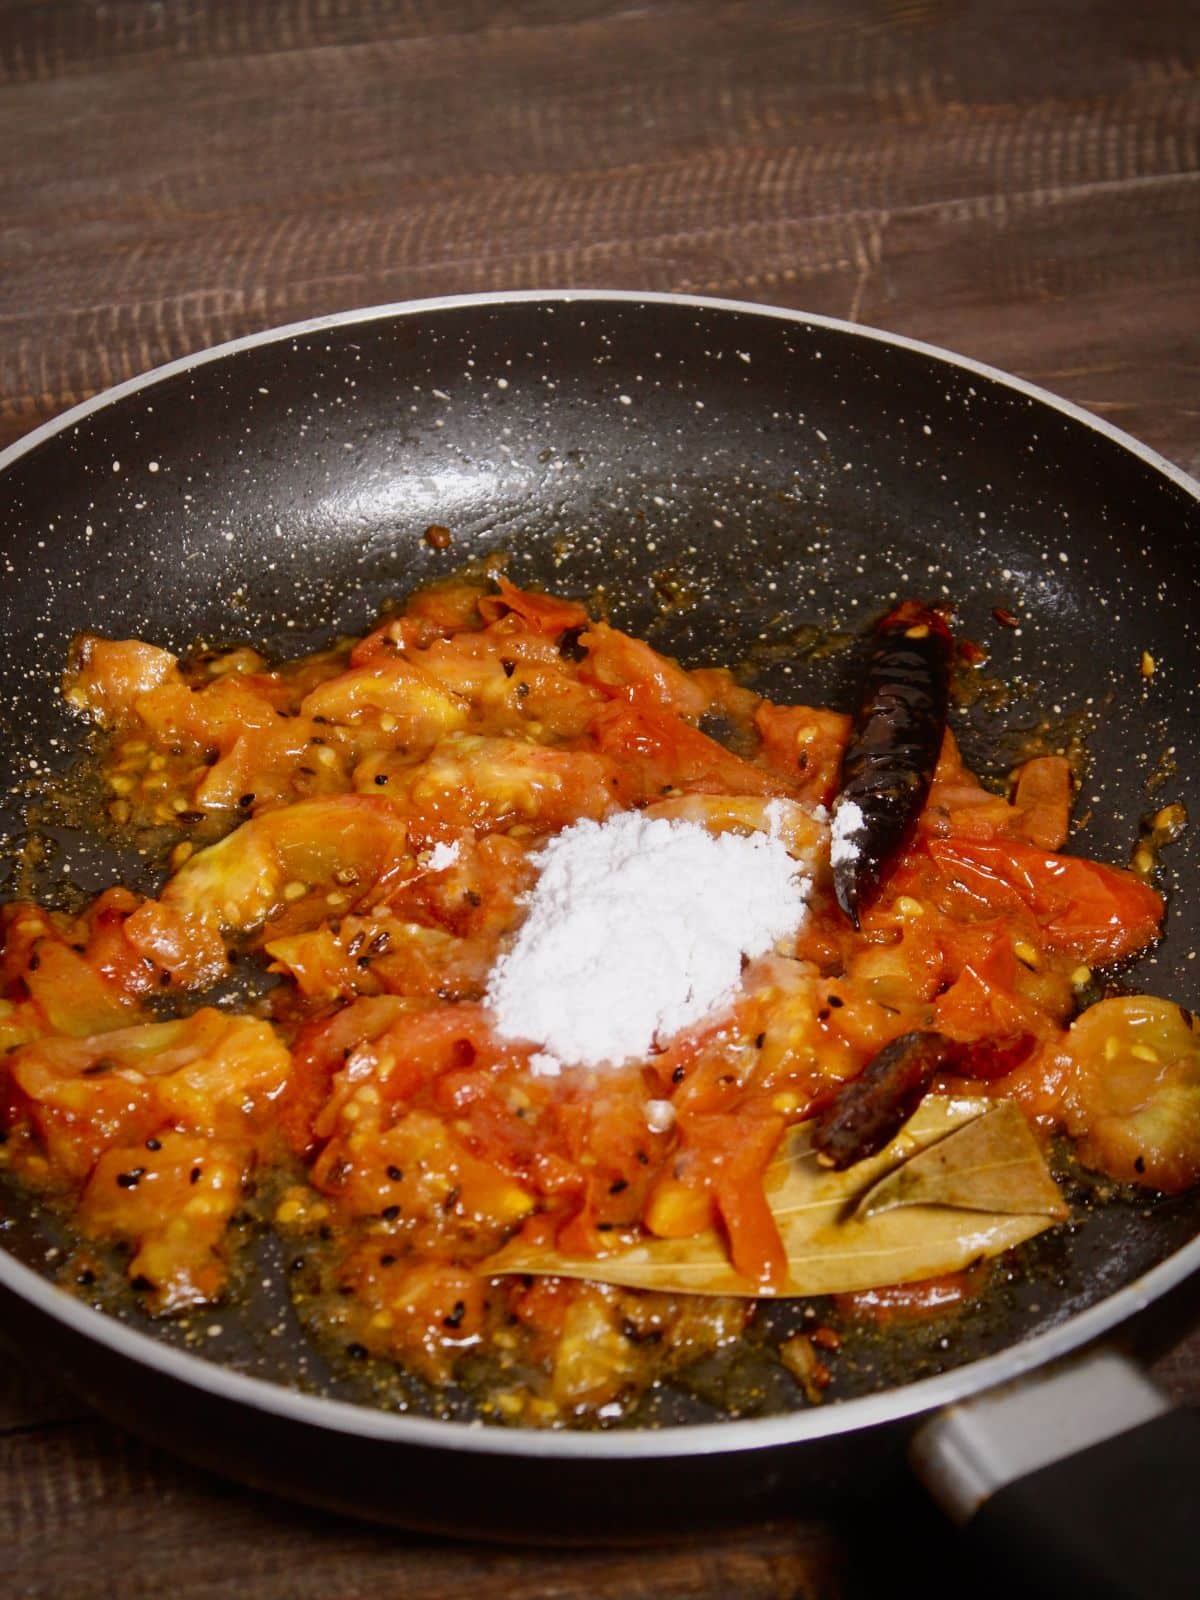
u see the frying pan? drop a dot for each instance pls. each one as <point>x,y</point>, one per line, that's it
<point>726,476</point>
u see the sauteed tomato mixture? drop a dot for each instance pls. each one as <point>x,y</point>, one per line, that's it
<point>367,824</point>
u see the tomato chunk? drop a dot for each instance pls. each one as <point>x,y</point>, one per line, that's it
<point>1089,910</point>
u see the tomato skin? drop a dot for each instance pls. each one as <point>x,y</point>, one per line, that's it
<point>662,752</point>
<point>448,606</point>
<point>980,1009</point>
<point>910,1302</point>
<point>487,783</point>
<point>1094,912</point>
<point>581,1234</point>
<point>543,612</point>
<point>108,676</point>
<point>319,1051</point>
<point>544,1304</point>
<point>390,684</point>
<point>1042,798</point>
<point>803,745</point>
<point>621,666</point>
<point>242,880</point>
<point>728,1155</point>
<point>614,1157</point>
<point>71,990</point>
<point>428,1045</point>
<point>509,676</point>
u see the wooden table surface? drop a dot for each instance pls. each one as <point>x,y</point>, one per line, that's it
<point>1019,181</point>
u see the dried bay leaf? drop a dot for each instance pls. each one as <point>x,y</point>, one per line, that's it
<point>830,1247</point>
<point>992,1163</point>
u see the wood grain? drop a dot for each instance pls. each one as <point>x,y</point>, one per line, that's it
<point>1020,182</point>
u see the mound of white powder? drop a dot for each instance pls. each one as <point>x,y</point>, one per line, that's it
<point>638,928</point>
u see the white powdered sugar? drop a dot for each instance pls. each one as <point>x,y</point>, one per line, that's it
<point>848,823</point>
<point>638,927</point>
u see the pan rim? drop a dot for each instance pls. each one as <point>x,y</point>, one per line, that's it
<point>850,1416</point>
<point>406,308</point>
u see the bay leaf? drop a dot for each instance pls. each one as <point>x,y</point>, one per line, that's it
<point>992,1163</point>
<point>830,1248</point>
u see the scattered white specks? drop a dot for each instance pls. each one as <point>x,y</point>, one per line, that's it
<point>502,383</point>
<point>116,466</point>
<point>152,466</point>
<point>625,399</point>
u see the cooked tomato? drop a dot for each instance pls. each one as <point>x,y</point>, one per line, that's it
<point>727,1155</point>
<point>620,665</point>
<point>1131,1090</point>
<point>1088,910</point>
<point>663,754</point>
<point>803,746</point>
<point>1042,796</point>
<point>541,611</point>
<point>365,823</point>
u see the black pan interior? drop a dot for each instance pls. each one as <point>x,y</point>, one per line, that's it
<point>722,482</point>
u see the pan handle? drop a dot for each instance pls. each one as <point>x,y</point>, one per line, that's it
<point>1080,1477</point>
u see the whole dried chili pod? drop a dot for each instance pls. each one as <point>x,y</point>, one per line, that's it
<point>894,743</point>
<point>869,1111</point>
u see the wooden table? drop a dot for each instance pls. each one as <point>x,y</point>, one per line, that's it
<point>1019,181</point>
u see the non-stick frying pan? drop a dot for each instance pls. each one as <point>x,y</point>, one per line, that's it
<point>727,475</point>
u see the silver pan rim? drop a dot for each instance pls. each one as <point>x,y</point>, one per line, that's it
<point>565,297</point>
<point>715,1438</point>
